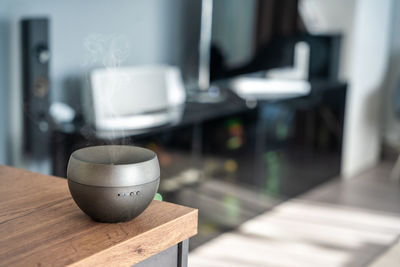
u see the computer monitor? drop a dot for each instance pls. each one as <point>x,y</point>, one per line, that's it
<point>252,35</point>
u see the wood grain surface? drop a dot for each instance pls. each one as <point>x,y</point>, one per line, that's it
<point>40,225</point>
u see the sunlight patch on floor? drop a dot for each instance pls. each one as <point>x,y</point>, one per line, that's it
<point>303,233</point>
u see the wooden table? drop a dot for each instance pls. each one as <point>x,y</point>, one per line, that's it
<point>40,225</point>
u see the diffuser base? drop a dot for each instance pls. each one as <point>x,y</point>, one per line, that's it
<point>113,204</point>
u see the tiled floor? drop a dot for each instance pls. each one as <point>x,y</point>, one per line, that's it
<point>371,190</point>
<point>341,223</point>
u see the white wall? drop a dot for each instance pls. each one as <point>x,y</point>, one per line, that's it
<point>368,26</point>
<point>3,95</point>
<point>392,85</point>
<point>368,66</point>
<point>153,29</point>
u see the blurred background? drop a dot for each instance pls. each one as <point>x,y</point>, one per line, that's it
<point>277,119</point>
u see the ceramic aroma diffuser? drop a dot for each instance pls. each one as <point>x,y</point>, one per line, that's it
<point>113,183</point>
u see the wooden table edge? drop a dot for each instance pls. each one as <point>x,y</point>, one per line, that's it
<point>112,255</point>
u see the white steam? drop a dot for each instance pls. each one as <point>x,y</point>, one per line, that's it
<point>109,52</point>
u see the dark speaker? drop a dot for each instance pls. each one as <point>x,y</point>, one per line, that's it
<point>35,82</point>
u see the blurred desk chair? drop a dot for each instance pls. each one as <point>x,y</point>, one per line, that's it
<point>128,98</point>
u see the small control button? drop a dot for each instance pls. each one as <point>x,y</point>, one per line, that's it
<point>132,194</point>
<point>137,193</point>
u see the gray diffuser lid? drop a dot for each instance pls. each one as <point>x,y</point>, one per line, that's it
<point>113,166</point>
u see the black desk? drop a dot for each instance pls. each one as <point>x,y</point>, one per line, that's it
<point>194,112</point>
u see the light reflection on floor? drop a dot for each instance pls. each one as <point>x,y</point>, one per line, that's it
<point>303,233</point>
